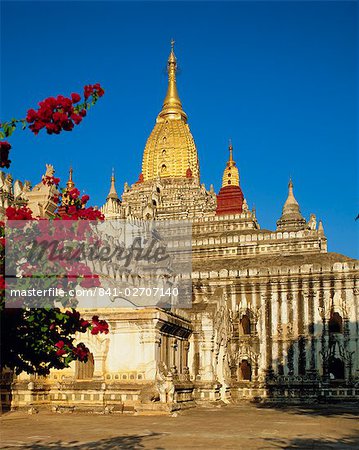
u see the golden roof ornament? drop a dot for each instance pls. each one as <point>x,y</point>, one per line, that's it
<point>70,184</point>
<point>66,198</point>
<point>172,105</point>
<point>231,173</point>
<point>113,192</point>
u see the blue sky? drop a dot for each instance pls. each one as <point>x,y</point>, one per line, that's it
<point>279,78</point>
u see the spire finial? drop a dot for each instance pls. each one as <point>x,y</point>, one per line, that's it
<point>70,184</point>
<point>172,104</point>
<point>230,147</point>
<point>112,193</point>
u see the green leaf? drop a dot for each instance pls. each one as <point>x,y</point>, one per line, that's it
<point>2,135</point>
<point>8,129</point>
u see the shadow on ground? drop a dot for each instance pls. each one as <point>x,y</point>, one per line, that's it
<point>349,410</point>
<point>305,443</point>
<point>132,442</point>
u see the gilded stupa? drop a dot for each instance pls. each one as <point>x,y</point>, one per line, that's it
<point>169,184</point>
<point>170,149</point>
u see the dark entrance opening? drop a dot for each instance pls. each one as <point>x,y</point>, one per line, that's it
<point>336,369</point>
<point>245,370</point>
<point>246,324</point>
<point>335,323</point>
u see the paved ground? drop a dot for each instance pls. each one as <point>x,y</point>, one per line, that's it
<point>230,427</point>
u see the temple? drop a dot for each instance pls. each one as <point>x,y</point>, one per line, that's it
<point>274,315</point>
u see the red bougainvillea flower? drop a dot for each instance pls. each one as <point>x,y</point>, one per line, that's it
<point>74,193</point>
<point>31,115</point>
<point>88,91</point>
<point>4,154</point>
<point>81,352</point>
<point>75,315</point>
<point>60,348</point>
<point>99,326</point>
<point>75,98</point>
<point>49,181</point>
<point>90,214</point>
<point>85,199</point>
<point>23,213</point>
<point>98,89</point>
<point>92,89</point>
<point>54,114</point>
<point>76,118</point>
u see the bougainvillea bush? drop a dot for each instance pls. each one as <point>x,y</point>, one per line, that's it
<point>54,114</point>
<point>37,339</point>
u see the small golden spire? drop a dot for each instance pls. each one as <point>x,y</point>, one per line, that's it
<point>113,192</point>
<point>172,103</point>
<point>231,173</point>
<point>66,199</point>
<point>70,184</point>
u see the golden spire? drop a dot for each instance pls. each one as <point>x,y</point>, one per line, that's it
<point>172,104</point>
<point>112,193</point>
<point>170,149</point>
<point>70,184</point>
<point>66,199</point>
<point>231,173</point>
